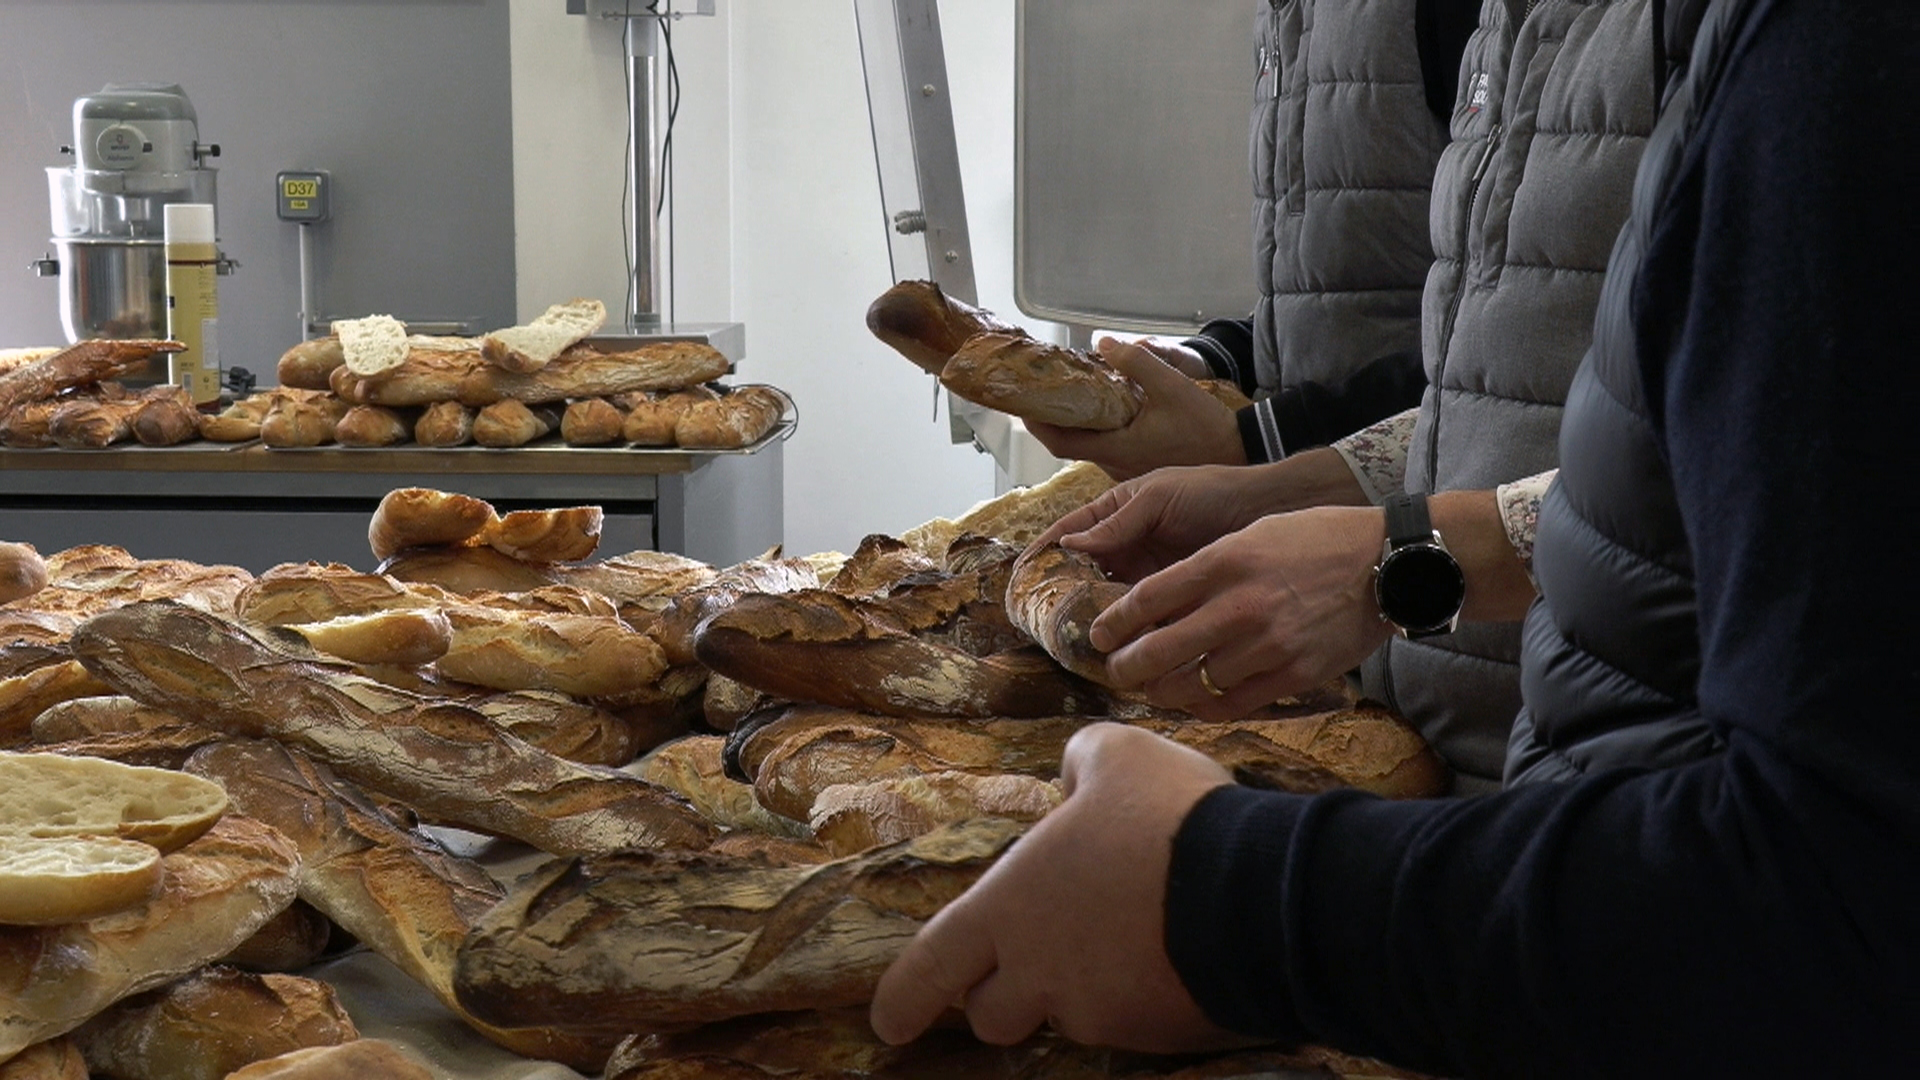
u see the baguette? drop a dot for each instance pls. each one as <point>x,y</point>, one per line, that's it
<point>692,767</point>
<point>290,941</point>
<point>681,617</point>
<point>563,727</point>
<point>92,582</point>
<point>1053,596</point>
<point>76,562</point>
<point>55,1059</point>
<point>315,592</point>
<point>582,655</point>
<point>372,426</point>
<point>24,697</point>
<point>356,1060</point>
<point>568,534</point>
<point>399,636</point>
<point>240,421</point>
<point>466,570</point>
<point>307,365</point>
<point>448,760</point>
<point>444,423</point>
<point>878,564</point>
<point>214,894</point>
<point>592,422</point>
<point>1019,516</point>
<point>22,571</point>
<point>582,371</point>
<point>80,364</point>
<point>1035,380</point>
<point>395,889</point>
<point>925,325</point>
<point>512,423</point>
<point>158,748</point>
<point>28,426</point>
<point>167,418</point>
<point>423,517</point>
<point>530,347</point>
<point>652,417</point>
<point>96,422</point>
<point>107,714</point>
<point>729,422</point>
<point>819,646</point>
<point>212,1022</point>
<point>640,942</point>
<point>851,818</point>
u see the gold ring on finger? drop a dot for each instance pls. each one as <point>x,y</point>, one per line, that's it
<point>1206,681</point>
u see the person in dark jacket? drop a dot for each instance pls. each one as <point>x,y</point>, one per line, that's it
<point>1747,914</point>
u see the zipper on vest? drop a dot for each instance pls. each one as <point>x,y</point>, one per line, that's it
<point>1460,291</point>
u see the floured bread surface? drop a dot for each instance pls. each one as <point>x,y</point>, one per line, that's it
<point>399,636</point>
<point>46,795</point>
<point>373,344</point>
<point>534,345</point>
<point>1019,516</point>
<point>48,881</point>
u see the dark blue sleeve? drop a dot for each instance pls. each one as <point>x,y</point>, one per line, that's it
<point>1753,914</point>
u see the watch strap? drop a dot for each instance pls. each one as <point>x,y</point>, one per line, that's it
<point>1407,520</point>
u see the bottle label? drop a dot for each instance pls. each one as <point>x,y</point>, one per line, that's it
<point>193,320</point>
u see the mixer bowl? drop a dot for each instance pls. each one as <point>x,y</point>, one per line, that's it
<point>115,289</point>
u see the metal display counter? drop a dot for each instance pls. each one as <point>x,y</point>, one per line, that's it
<point>253,507</point>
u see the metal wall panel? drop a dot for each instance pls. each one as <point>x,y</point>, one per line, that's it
<point>1133,200</point>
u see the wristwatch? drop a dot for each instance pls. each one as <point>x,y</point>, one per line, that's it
<point>1418,583</point>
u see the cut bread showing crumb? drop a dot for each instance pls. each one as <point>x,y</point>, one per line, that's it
<point>373,344</point>
<point>48,881</point>
<point>532,346</point>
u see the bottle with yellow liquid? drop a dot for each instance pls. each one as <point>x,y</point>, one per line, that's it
<point>193,302</point>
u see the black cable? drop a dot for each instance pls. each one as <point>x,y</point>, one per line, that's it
<point>626,165</point>
<point>666,142</point>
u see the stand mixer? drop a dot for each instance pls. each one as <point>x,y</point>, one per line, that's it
<point>136,149</point>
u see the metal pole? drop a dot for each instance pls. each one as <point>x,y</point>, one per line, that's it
<point>642,65</point>
<point>309,308</point>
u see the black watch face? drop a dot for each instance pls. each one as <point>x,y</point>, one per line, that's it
<point>1420,587</point>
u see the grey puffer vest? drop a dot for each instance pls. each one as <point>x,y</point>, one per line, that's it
<point>1343,149</point>
<point>1612,647</point>
<point>1556,102</point>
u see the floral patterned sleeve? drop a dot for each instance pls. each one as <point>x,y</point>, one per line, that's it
<point>1520,512</point>
<point>1378,455</point>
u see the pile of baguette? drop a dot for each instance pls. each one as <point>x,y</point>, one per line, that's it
<point>990,362</point>
<point>743,788</point>
<point>371,384</point>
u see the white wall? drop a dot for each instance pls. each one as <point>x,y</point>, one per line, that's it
<point>779,226</point>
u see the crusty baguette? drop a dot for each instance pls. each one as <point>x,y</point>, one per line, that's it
<point>1035,380</point>
<point>1053,595</point>
<point>425,517</point>
<point>652,417</point>
<point>307,365</point>
<point>642,582</point>
<point>28,425</point>
<point>564,727</point>
<point>315,592</point>
<point>214,893</point>
<point>74,562</point>
<point>684,612</point>
<point>55,1059</point>
<point>879,563</point>
<point>372,425</point>
<point>93,582</point>
<point>692,767</point>
<point>167,418</point>
<point>94,423</point>
<point>395,889</point>
<point>815,645</point>
<point>871,747</point>
<point>592,421</point>
<point>156,748</point>
<point>583,655</point>
<point>80,364</point>
<point>532,346</point>
<point>850,818</point>
<point>372,344</point>
<point>444,423</point>
<point>582,371</point>
<point>566,534</point>
<point>512,423</point>
<point>290,941</point>
<point>213,1022</point>
<point>396,636</point>
<point>448,760</point>
<point>240,421</point>
<point>305,421</point>
<point>731,421</point>
<point>469,570</point>
<point>362,1059</point>
<point>925,325</point>
<point>1018,516</point>
<point>640,942</point>
<point>105,714</point>
<point>22,571</point>
<point>25,696</point>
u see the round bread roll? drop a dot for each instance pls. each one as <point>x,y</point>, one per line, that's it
<point>49,881</point>
<point>22,571</point>
<point>423,517</point>
<point>50,796</point>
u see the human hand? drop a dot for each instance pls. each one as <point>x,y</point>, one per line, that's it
<point>1179,356</point>
<point>1274,609</point>
<point>1068,928</point>
<point>1179,423</point>
<point>1144,525</point>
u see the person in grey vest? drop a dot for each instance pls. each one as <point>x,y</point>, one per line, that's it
<point>1234,605</point>
<point>1748,913</point>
